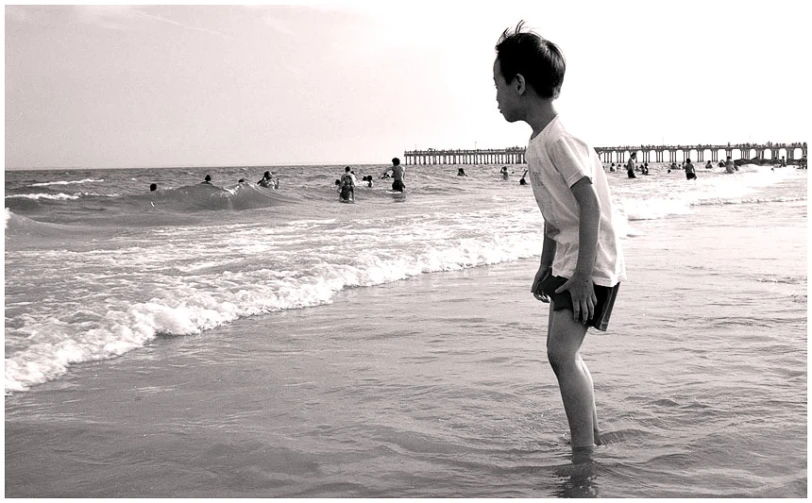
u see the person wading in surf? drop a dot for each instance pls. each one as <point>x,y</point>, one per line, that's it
<point>582,263</point>
<point>398,173</point>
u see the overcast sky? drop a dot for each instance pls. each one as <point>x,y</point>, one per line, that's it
<point>357,83</point>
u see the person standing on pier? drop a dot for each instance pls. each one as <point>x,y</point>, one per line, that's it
<point>398,173</point>
<point>630,165</point>
<point>581,263</point>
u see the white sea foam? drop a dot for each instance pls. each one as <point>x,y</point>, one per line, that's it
<point>68,182</point>
<point>672,196</point>
<point>636,209</point>
<point>57,197</point>
<point>217,282</point>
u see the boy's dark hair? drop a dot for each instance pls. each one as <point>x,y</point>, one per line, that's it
<point>537,59</point>
<point>395,161</point>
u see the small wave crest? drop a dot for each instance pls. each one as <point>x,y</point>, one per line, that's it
<point>203,197</point>
<point>68,182</point>
<point>59,196</point>
<point>20,230</point>
<point>749,200</point>
<point>786,280</point>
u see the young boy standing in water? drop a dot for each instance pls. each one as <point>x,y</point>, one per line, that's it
<point>581,260</point>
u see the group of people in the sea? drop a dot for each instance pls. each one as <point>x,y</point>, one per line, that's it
<point>688,167</point>
<point>268,180</point>
<point>347,183</point>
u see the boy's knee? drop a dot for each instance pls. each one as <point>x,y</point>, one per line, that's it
<point>559,358</point>
<point>563,344</point>
<point>555,360</point>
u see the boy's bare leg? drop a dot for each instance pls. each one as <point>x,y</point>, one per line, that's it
<point>595,430</point>
<point>564,339</point>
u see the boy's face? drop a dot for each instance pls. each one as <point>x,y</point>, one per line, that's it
<point>506,95</point>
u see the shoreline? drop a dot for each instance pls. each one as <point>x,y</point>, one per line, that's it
<point>270,371</point>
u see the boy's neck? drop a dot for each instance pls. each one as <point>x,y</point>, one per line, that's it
<point>540,113</point>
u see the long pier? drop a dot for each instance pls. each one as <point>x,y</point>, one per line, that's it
<point>790,152</point>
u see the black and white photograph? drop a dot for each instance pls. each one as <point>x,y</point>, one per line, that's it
<point>406,249</point>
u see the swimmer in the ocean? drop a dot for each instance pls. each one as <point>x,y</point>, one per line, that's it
<point>207,180</point>
<point>690,171</point>
<point>504,172</point>
<point>268,181</point>
<point>347,185</point>
<point>523,181</point>
<point>153,187</point>
<point>630,165</point>
<point>461,172</point>
<point>398,173</point>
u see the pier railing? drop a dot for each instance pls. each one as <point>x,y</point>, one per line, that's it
<point>789,152</point>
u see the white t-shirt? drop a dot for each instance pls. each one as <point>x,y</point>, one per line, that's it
<point>556,160</point>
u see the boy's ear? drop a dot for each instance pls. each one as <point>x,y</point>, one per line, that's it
<point>520,84</point>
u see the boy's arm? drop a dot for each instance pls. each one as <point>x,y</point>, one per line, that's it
<point>580,284</point>
<point>547,249</point>
<point>547,256</point>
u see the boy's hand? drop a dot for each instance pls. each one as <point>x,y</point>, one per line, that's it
<point>536,288</point>
<point>583,297</point>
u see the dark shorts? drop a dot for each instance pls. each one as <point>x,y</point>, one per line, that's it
<point>632,175</point>
<point>398,185</point>
<point>603,308</point>
<point>690,176</point>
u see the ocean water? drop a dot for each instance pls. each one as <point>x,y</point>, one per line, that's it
<point>231,340</point>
